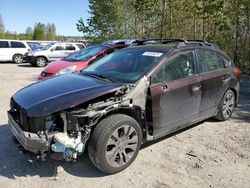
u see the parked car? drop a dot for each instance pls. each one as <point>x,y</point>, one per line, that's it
<point>51,52</point>
<point>34,46</point>
<point>124,99</point>
<point>78,60</point>
<point>13,50</point>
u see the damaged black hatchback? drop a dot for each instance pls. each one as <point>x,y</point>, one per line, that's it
<point>125,99</point>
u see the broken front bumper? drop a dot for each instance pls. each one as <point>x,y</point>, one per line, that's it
<point>30,141</point>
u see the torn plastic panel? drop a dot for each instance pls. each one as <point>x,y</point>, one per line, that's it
<point>70,129</point>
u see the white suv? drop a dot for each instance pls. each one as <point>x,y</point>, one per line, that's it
<point>52,52</point>
<point>13,50</point>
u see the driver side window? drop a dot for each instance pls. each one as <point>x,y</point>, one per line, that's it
<point>179,66</point>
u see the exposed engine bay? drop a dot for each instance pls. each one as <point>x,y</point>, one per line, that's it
<point>68,131</point>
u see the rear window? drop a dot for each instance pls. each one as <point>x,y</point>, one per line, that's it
<point>17,45</point>
<point>84,54</point>
<point>210,61</point>
<point>4,44</point>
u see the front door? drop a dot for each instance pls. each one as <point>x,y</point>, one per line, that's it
<point>175,94</point>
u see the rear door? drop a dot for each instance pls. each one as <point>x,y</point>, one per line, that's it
<point>69,49</point>
<point>215,78</point>
<point>175,93</point>
<point>57,52</point>
<point>17,48</point>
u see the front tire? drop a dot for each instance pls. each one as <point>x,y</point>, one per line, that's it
<point>226,106</point>
<point>17,58</point>
<point>115,143</point>
<point>41,61</point>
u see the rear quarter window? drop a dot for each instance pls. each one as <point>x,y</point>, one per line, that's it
<point>17,45</point>
<point>80,46</point>
<point>210,61</point>
<point>4,44</point>
<point>227,62</point>
<point>70,47</point>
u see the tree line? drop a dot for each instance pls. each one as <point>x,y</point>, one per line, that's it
<point>224,22</point>
<point>40,31</point>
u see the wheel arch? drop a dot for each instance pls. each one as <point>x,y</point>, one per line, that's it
<point>135,113</point>
<point>16,54</point>
<point>43,57</point>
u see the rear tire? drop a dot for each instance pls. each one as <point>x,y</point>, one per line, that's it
<point>41,61</point>
<point>226,106</point>
<point>17,58</point>
<point>115,143</point>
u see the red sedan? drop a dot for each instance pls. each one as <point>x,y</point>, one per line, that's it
<point>78,60</point>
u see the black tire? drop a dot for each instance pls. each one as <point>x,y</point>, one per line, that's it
<point>103,132</point>
<point>226,107</point>
<point>17,58</point>
<point>41,61</point>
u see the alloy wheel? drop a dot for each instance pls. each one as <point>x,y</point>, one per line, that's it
<point>228,105</point>
<point>18,58</point>
<point>121,146</point>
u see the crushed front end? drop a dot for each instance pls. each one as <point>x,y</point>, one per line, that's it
<point>66,132</point>
<point>59,132</point>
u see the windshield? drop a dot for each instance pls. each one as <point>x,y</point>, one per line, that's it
<point>127,65</point>
<point>85,53</point>
<point>47,46</point>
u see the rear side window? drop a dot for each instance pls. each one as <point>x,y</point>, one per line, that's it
<point>4,44</point>
<point>70,47</point>
<point>17,45</point>
<point>210,61</point>
<point>80,46</point>
<point>59,47</point>
<point>179,66</point>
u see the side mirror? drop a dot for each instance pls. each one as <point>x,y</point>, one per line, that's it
<point>52,49</point>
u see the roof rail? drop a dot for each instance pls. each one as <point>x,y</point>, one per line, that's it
<point>157,41</point>
<point>178,42</point>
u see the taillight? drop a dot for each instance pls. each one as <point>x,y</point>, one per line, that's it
<point>237,71</point>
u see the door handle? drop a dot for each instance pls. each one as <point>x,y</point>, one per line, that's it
<point>196,87</point>
<point>164,88</point>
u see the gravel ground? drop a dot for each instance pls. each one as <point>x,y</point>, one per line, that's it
<point>209,154</point>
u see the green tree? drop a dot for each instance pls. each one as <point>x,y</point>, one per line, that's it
<point>39,32</point>
<point>227,23</point>
<point>104,22</point>
<point>1,27</point>
<point>50,32</point>
<point>29,33</point>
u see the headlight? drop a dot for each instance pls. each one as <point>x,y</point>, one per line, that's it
<point>67,70</point>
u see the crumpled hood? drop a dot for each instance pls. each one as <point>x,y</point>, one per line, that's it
<point>61,92</point>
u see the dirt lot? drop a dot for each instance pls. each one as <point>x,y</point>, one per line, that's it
<point>210,154</point>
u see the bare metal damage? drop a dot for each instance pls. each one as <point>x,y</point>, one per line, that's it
<point>72,143</point>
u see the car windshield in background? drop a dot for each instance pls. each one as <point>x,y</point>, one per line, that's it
<point>84,54</point>
<point>127,65</point>
<point>47,46</point>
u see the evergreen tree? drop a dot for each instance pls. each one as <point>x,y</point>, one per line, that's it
<point>39,32</point>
